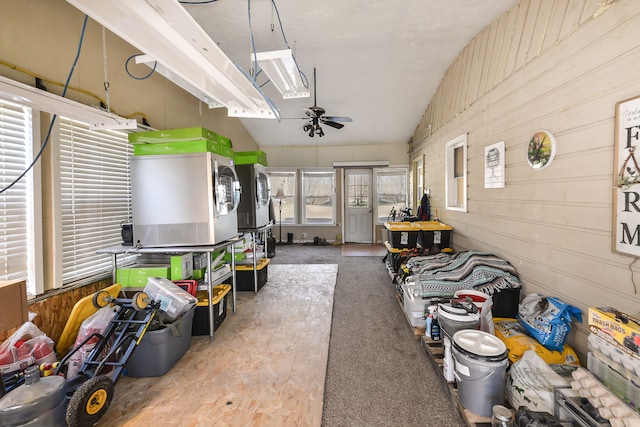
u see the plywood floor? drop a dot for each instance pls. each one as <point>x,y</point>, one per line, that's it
<point>265,367</point>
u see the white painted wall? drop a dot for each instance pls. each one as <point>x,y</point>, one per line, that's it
<point>559,66</point>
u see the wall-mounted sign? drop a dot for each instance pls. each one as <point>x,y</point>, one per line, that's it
<point>541,149</point>
<point>494,165</point>
<point>626,194</point>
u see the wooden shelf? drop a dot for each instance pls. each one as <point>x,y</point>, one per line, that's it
<point>435,353</point>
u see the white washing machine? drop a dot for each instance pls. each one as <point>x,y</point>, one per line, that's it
<point>253,211</point>
<point>184,199</point>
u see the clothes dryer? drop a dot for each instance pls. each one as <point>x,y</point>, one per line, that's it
<point>184,199</point>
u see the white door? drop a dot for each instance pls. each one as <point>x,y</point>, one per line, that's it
<point>358,205</point>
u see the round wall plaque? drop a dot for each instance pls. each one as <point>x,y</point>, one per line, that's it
<point>541,149</point>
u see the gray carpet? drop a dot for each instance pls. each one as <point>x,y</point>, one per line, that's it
<point>377,373</point>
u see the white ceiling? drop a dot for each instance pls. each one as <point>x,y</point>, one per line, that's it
<point>378,62</point>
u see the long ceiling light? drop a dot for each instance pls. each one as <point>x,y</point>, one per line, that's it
<point>184,52</point>
<point>282,70</point>
<point>45,101</point>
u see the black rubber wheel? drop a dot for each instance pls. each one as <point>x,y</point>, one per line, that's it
<point>101,299</point>
<point>140,301</point>
<point>90,401</point>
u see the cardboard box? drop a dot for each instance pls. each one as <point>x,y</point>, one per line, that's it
<point>15,311</point>
<point>616,328</point>
<point>181,266</point>
<point>137,276</point>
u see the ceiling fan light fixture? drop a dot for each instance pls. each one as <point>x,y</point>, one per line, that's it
<point>281,68</point>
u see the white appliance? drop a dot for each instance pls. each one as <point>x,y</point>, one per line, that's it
<point>253,211</point>
<point>184,199</point>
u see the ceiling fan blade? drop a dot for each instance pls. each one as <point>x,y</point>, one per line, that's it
<point>332,124</point>
<point>338,119</point>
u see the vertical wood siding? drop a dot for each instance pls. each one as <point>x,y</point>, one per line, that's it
<point>544,64</point>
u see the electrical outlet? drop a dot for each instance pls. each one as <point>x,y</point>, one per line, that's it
<point>303,235</point>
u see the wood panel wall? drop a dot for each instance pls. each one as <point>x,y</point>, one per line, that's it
<point>545,64</point>
<point>53,311</point>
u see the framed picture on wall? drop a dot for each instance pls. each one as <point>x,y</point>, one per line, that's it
<point>494,165</point>
<point>626,190</point>
<point>541,149</point>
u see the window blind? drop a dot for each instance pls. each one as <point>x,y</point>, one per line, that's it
<point>95,195</point>
<point>16,203</point>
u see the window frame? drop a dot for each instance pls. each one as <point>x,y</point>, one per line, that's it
<point>31,252</point>
<point>456,183</point>
<point>303,204</point>
<point>291,199</point>
<point>396,170</point>
<point>109,230</point>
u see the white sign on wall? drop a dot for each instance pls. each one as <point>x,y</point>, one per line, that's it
<point>494,165</point>
<point>626,198</point>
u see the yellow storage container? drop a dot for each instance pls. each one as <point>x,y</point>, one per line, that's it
<point>403,234</point>
<point>435,236</point>
<point>201,316</point>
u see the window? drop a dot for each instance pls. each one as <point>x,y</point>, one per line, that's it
<point>391,189</point>
<point>456,174</point>
<point>319,197</point>
<point>19,259</point>
<point>95,197</point>
<point>285,208</point>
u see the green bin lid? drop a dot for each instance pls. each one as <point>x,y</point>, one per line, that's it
<point>176,141</point>
<point>251,158</point>
<point>178,135</point>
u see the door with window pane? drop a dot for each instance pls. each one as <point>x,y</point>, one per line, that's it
<point>358,205</point>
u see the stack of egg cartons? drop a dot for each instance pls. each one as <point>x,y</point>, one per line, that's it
<point>609,406</point>
<point>614,354</point>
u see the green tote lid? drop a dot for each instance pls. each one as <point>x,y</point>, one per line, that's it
<point>178,135</point>
<point>177,141</point>
<point>251,158</point>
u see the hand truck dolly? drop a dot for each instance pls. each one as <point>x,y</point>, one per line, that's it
<point>90,392</point>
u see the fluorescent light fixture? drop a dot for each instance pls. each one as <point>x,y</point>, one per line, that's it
<point>166,32</point>
<point>46,101</point>
<point>282,70</point>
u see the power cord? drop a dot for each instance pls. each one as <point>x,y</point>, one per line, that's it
<point>55,116</point>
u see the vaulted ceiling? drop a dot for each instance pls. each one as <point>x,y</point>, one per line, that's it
<point>378,62</point>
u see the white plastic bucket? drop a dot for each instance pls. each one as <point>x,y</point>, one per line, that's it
<point>480,368</point>
<point>453,319</point>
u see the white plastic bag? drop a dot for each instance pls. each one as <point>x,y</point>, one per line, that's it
<point>531,381</point>
<point>27,346</point>
<point>96,323</point>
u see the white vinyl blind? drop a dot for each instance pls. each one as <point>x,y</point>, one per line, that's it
<point>95,196</point>
<point>16,203</point>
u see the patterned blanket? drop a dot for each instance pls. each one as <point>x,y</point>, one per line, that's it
<point>435,276</point>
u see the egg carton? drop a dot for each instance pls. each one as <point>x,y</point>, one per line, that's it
<point>608,405</point>
<point>620,357</point>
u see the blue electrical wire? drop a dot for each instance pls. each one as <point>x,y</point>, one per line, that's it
<point>55,116</point>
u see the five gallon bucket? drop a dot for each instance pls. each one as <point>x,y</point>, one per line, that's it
<point>484,303</point>
<point>480,367</point>
<point>457,315</point>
